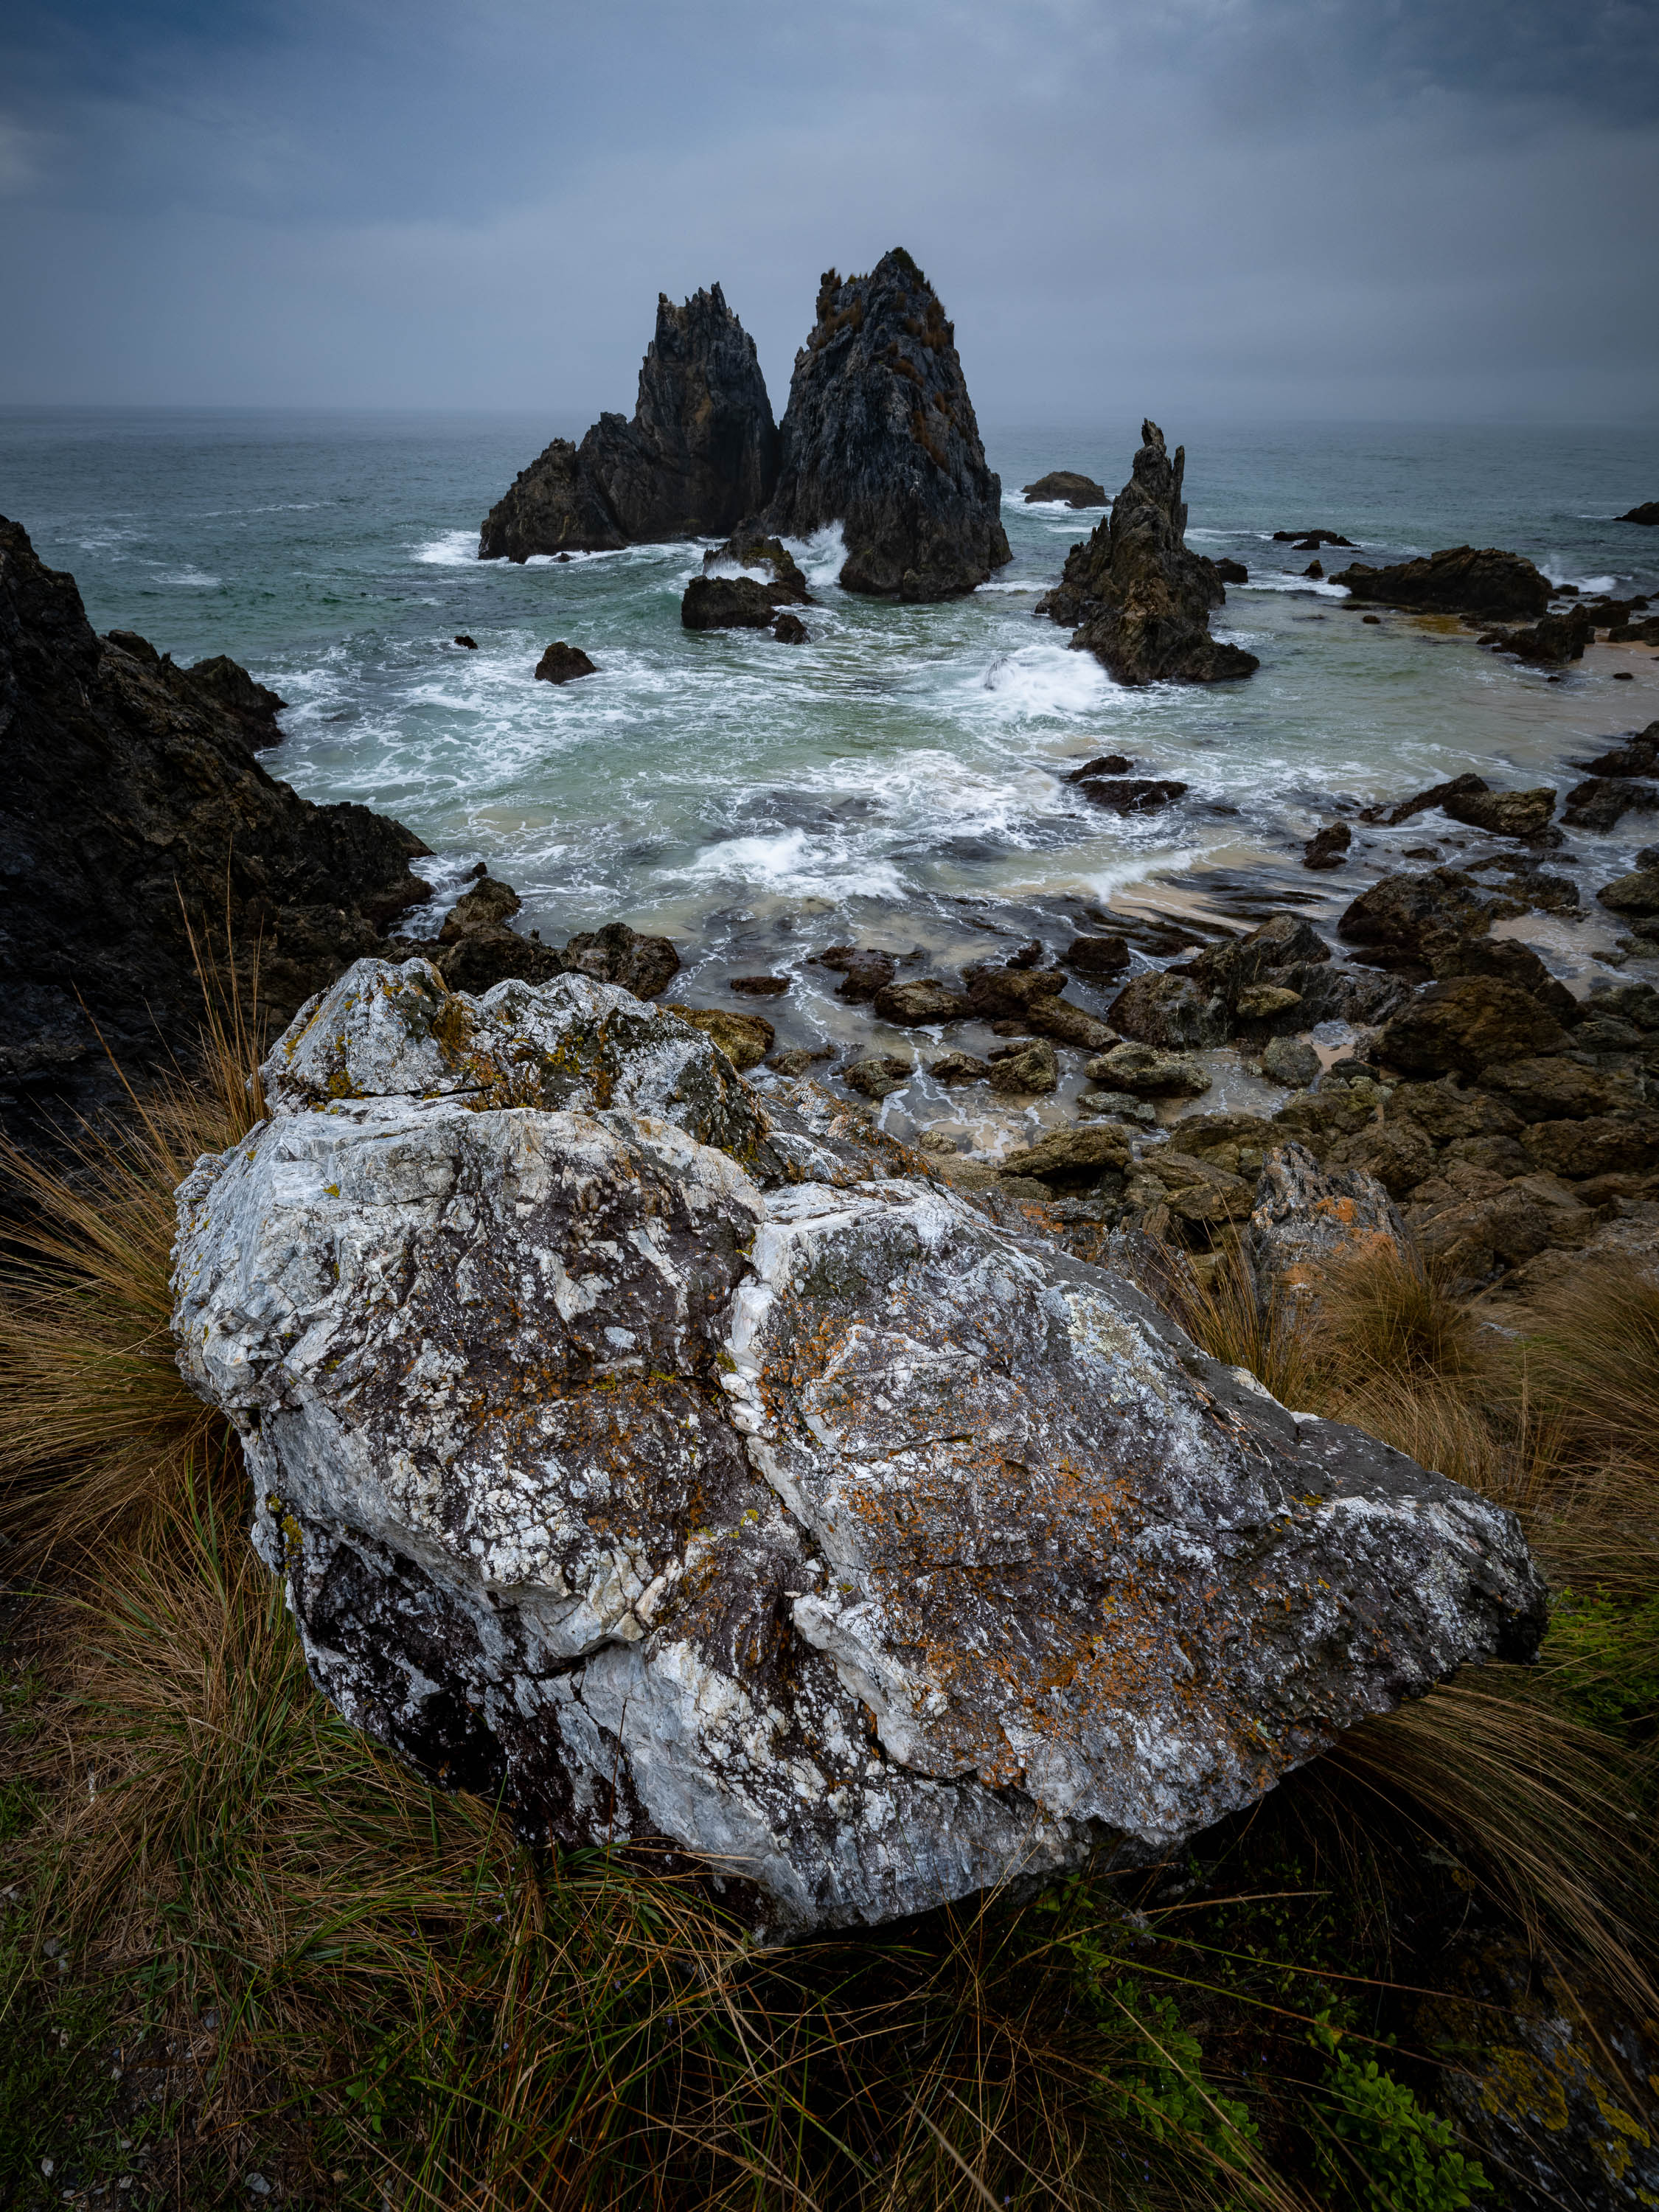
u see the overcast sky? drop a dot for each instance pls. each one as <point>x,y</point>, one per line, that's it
<point>1442,209</point>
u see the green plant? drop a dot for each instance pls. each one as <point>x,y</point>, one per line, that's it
<point>1375,2148</point>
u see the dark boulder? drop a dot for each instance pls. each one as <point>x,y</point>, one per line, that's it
<point>1232,572</point>
<point>1134,795</point>
<point>562,663</point>
<point>1327,848</point>
<point>1310,540</point>
<point>618,954</point>
<point>759,986</point>
<point>461,638</point>
<point>1461,579</point>
<point>728,602</point>
<point>1648,512</point>
<point>1172,1011</point>
<point>1403,920</point>
<point>919,1005</point>
<point>700,453</point>
<point>1096,956</point>
<point>1461,1026</point>
<point>880,435</point>
<point>1066,484</point>
<point>750,547</point>
<point>1601,801</point>
<point>131,803</point>
<point>1101,764</point>
<point>1136,598</point>
<point>1316,569</point>
<point>1552,642</point>
<point>790,630</point>
<point>863,971</point>
<point>1636,894</point>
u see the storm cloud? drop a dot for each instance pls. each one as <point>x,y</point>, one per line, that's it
<point>1243,208</point>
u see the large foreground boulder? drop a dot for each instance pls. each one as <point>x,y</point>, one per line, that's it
<point>648,1454</point>
<point>701,451</point>
<point>132,812</point>
<point>1139,599</point>
<point>880,435</point>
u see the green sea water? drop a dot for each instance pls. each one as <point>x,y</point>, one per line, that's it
<point>899,779</point>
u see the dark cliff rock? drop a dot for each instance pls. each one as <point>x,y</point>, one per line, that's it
<point>1067,484</point>
<point>1138,601</point>
<point>220,682</point>
<point>880,436</point>
<point>1461,579</point>
<point>700,453</point>
<point>130,800</point>
<point>562,663</point>
<point>1648,512</point>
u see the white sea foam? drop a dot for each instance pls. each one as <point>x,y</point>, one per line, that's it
<point>797,864</point>
<point>453,549</point>
<point>196,580</point>
<point>1044,681</point>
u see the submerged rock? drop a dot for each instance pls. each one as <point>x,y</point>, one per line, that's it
<point>1461,579</point>
<point>1066,484</point>
<point>701,451</point>
<point>880,435</point>
<point>871,1552</point>
<point>1139,599</point>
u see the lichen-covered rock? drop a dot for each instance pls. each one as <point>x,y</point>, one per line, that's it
<point>880,435</point>
<point>872,1552</point>
<point>1306,1219</point>
<point>1133,594</point>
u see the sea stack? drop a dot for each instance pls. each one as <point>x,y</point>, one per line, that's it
<point>1138,601</point>
<point>700,453</point>
<point>879,435</point>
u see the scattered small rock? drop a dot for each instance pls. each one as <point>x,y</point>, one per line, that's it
<point>1096,956</point>
<point>1316,569</point>
<point>470,643</point>
<point>1129,796</point>
<point>1291,1061</point>
<point>1328,847</point>
<point>1030,1071</point>
<point>562,663</point>
<point>877,1076</point>
<point>790,630</point>
<point>919,1005</point>
<point>958,1067</point>
<point>759,986</point>
<point>1148,1072</point>
<point>863,972</point>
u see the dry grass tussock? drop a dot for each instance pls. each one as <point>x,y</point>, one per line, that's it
<point>1561,1423</point>
<point>375,1992</point>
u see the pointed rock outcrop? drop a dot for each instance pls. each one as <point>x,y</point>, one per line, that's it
<point>1138,598</point>
<point>700,453</point>
<point>880,436</point>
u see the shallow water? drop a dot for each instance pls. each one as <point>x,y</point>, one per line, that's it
<point>897,780</point>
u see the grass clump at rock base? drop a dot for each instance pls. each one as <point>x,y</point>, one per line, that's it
<point>245,1956</point>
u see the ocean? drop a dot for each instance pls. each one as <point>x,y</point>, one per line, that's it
<point>898,781</point>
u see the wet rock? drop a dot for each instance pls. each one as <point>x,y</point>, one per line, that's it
<point>915,1005</point>
<point>1403,920</point>
<point>790,630</point>
<point>1033,995</point>
<point>1150,1072</point>
<point>1637,893</point>
<point>745,1039</point>
<point>488,904</point>
<point>1160,1008</point>
<point>1602,802</point>
<point>479,958</point>
<point>562,663</point>
<point>1316,570</point>
<point>878,1075</point>
<point>793,1061</point>
<point>879,435</point>
<point>1557,1088</point>
<point>1133,795</point>
<point>1463,1026</point>
<point>1186,1198</point>
<point>633,1504</point>
<point>1072,1159</point>
<point>1648,513</point>
<point>1328,847</point>
<point>1232,572</point>
<point>1292,1062</point>
<point>1310,540</point>
<point>759,986</point>
<point>1511,961</point>
<point>1066,484</point>
<point>1437,794</point>
<point>863,972</point>
<point>1322,1120</point>
<point>1552,642</point>
<point>1267,1002</point>
<point>1057,1018</point>
<point>1505,813</point>
<point>750,547</point>
<point>616,954</point>
<point>727,602</point>
<point>225,683</point>
<point>1096,956</point>
<point>1101,764</point>
<point>1119,1105</point>
<point>1306,1220</point>
<point>1601,1144</point>
<point>1447,1110</point>
<point>1239,1143</point>
<point>1461,579</point>
<point>132,803</point>
<point>1026,1071</point>
<point>1638,755</point>
<point>1136,597</point>
<point>958,1067</point>
<point>700,453</point>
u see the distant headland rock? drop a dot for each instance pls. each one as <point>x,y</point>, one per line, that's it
<point>1066,484</point>
<point>880,435</point>
<point>134,812</point>
<point>1461,579</point>
<point>1135,594</point>
<point>700,453</point>
<point>1648,512</point>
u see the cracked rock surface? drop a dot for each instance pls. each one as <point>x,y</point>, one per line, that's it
<point>657,1452</point>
